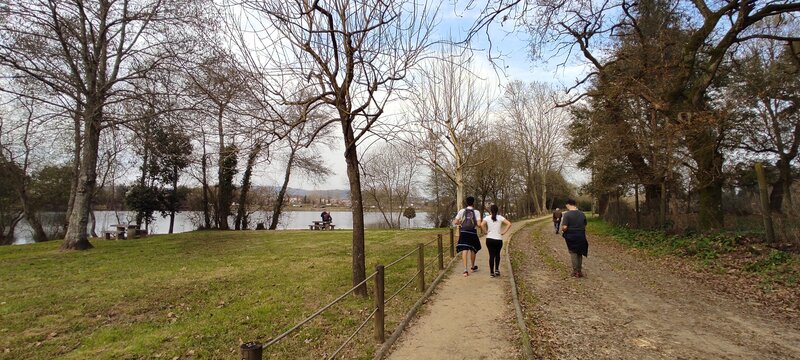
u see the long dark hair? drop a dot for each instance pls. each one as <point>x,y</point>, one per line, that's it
<point>493,209</point>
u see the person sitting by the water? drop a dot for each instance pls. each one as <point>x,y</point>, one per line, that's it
<point>326,217</point>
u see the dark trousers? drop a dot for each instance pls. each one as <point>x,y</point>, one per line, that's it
<point>494,247</point>
<point>557,225</point>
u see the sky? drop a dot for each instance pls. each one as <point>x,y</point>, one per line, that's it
<point>514,64</point>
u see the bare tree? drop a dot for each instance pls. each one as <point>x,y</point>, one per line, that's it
<point>449,114</point>
<point>304,139</point>
<point>220,83</point>
<point>539,133</point>
<point>350,56</point>
<point>389,179</point>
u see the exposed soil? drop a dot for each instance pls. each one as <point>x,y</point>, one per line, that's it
<point>635,306</point>
<point>466,318</point>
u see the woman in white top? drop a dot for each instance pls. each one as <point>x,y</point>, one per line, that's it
<point>493,226</point>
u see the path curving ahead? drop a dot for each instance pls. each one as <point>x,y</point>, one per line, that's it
<point>466,318</point>
<point>634,306</point>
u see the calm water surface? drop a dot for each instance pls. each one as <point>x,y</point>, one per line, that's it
<point>188,221</point>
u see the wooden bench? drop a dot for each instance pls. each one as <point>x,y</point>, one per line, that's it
<point>318,225</point>
<point>109,234</point>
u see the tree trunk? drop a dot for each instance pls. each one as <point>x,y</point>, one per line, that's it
<point>781,195</point>
<point>636,199</point>
<point>223,205</point>
<point>776,196</point>
<point>652,198</point>
<point>459,176</point>
<point>76,237</point>
<point>7,235</point>
<point>77,143</point>
<point>278,208</point>
<point>602,205</point>
<point>532,194</point>
<point>174,199</point>
<point>709,177</point>
<point>38,232</point>
<point>543,208</point>
<point>662,209</point>
<point>241,214</point>
<point>206,210</point>
<point>93,218</point>
<point>351,157</point>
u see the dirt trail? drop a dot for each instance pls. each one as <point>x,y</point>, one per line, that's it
<point>631,307</point>
<point>467,318</point>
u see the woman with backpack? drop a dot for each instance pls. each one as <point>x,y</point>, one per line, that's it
<point>493,226</point>
<point>468,242</point>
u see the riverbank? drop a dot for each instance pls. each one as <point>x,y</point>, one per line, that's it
<point>191,220</point>
<point>195,294</point>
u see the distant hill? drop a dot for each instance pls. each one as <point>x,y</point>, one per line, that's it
<point>339,194</point>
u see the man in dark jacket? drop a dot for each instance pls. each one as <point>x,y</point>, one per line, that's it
<point>573,226</point>
<point>557,219</point>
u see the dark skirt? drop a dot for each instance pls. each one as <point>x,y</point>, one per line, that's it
<point>468,241</point>
<point>576,242</point>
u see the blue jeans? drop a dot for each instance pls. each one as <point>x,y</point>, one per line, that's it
<point>557,225</point>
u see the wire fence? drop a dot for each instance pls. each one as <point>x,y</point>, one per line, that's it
<point>428,267</point>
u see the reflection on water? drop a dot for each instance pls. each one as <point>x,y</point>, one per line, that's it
<point>189,220</point>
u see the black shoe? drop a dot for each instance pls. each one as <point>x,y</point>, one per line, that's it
<point>491,275</point>
<point>496,273</point>
<point>475,268</point>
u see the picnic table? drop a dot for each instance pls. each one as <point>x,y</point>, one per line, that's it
<point>321,225</point>
<point>123,231</point>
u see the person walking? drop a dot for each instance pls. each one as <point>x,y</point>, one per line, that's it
<point>493,226</point>
<point>557,219</point>
<point>468,242</point>
<point>573,227</point>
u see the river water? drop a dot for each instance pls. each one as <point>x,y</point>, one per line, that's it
<point>189,220</point>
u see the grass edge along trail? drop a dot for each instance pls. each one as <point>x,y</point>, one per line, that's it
<point>527,297</point>
<point>198,294</point>
<point>719,252</point>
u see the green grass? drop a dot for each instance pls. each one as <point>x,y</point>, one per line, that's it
<point>722,250</point>
<point>196,294</point>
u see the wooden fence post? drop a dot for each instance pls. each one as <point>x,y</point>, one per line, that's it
<point>765,211</point>
<point>251,351</point>
<point>421,267</point>
<point>452,244</point>
<point>379,304</point>
<point>440,248</point>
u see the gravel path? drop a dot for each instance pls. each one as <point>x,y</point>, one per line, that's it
<point>467,318</point>
<point>631,306</point>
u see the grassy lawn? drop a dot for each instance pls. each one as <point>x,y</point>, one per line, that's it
<point>197,295</point>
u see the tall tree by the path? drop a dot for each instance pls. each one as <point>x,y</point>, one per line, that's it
<point>708,32</point>
<point>538,133</point>
<point>449,114</point>
<point>351,55</point>
<point>767,88</point>
<point>89,50</point>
